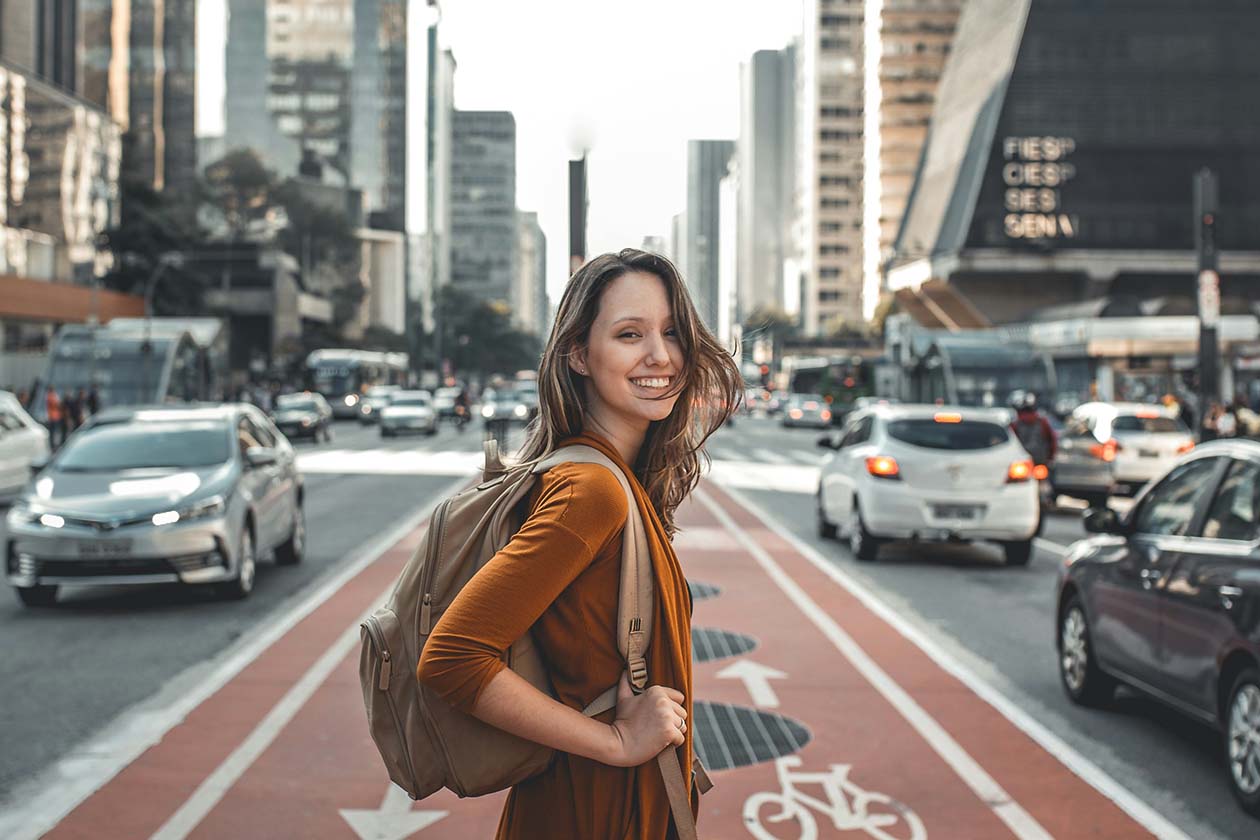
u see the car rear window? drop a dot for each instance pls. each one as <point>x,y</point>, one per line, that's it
<point>1133,423</point>
<point>966,434</point>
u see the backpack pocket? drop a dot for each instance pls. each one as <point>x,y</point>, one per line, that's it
<point>391,697</point>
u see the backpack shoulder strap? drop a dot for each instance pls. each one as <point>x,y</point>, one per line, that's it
<point>634,610</point>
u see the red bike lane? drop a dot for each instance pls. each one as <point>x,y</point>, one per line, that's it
<point>819,718</point>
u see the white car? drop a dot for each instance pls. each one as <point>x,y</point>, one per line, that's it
<point>1110,448</point>
<point>409,411</point>
<point>931,473</point>
<point>23,442</point>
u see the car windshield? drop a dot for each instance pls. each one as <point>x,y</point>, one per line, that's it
<point>1134,423</point>
<point>295,402</point>
<point>378,392</point>
<point>410,399</point>
<point>966,434</point>
<point>122,446</point>
<point>801,399</point>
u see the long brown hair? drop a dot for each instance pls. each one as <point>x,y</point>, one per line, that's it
<point>709,388</point>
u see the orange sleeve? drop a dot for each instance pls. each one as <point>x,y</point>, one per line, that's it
<point>579,509</point>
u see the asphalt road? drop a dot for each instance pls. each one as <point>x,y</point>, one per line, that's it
<point>1000,622</point>
<point>67,672</point>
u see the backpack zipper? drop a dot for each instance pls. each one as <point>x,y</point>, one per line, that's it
<point>378,642</point>
<point>430,572</point>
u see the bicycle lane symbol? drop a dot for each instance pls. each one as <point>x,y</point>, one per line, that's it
<point>848,807</point>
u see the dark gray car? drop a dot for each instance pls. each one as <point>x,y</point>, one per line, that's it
<point>158,495</point>
<point>1167,600</point>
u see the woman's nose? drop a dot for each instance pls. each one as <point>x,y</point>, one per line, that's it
<point>658,354</point>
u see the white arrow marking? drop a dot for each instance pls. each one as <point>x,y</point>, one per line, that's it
<point>394,820</point>
<point>756,679</point>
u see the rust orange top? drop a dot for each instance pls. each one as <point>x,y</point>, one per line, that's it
<point>560,575</point>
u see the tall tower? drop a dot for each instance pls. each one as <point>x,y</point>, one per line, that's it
<point>830,172</point>
<point>707,163</point>
<point>483,204</point>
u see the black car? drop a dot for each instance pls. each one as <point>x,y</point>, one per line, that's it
<point>305,414</point>
<point>1167,600</point>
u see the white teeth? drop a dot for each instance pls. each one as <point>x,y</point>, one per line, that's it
<point>651,383</point>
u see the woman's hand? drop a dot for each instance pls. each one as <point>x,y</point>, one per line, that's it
<point>646,723</point>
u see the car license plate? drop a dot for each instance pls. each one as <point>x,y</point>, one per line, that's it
<point>956,511</point>
<point>1147,453</point>
<point>101,549</point>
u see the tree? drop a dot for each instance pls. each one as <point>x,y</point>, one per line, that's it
<point>239,188</point>
<point>478,336</point>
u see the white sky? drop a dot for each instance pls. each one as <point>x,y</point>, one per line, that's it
<point>632,80</point>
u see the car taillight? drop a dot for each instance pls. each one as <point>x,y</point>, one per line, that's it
<point>1185,447</point>
<point>881,466</point>
<point>795,414</point>
<point>1019,471</point>
<point>1105,451</point>
<point>1041,472</point>
<point>825,414</point>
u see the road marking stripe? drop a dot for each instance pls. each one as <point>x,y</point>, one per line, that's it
<point>36,807</point>
<point>981,783</point>
<point>1051,546</point>
<point>770,456</point>
<point>215,786</point>
<point>1083,767</point>
<point>807,458</point>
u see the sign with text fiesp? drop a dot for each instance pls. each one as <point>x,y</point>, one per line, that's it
<point>1034,170</point>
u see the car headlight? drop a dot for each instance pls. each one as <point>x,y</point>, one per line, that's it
<point>487,411</point>
<point>352,399</point>
<point>520,411</point>
<point>213,506</point>
<point>306,421</point>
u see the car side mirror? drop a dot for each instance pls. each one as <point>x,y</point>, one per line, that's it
<point>39,462</point>
<point>257,456</point>
<point>1102,521</point>
<point>827,442</point>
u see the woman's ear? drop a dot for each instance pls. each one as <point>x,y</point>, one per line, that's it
<point>577,360</point>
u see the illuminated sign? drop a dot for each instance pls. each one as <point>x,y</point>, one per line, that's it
<point>1034,169</point>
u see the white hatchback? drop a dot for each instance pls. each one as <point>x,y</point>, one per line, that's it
<point>23,442</point>
<point>932,473</point>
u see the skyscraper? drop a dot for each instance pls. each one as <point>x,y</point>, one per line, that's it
<point>767,177</point>
<point>707,162</point>
<point>529,300</point>
<point>907,43</point>
<point>161,89</point>
<point>830,166</point>
<point>483,204</point>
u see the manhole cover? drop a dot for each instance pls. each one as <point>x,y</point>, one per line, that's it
<point>735,736</point>
<point>700,591</point>
<point>708,644</point>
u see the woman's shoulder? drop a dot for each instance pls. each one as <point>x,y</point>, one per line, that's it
<point>592,481</point>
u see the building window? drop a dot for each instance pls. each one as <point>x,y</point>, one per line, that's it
<point>828,273</point>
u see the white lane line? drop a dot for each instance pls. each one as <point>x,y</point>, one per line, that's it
<point>1087,770</point>
<point>215,786</point>
<point>36,807</point>
<point>1051,546</point>
<point>986,788</point>
<point>770,456</point>
<point>808,458</point>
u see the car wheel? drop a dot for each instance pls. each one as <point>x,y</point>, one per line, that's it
<point>247,566</point>
<point>37,596</point>
<point>1242,739</point>
<point>826,530</point>
<point>432,431</point>
<point>862,543</point>
<point>1084,682</point>
<point>1098,500</point>
<point>1018,553</point>
<point>290,552</point>
<point>386,433</point>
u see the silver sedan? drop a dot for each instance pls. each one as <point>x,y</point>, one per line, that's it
<point>159,495</point>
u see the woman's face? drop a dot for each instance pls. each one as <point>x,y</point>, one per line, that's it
<point>633,355</point>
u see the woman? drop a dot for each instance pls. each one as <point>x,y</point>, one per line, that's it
<point>630,370</point>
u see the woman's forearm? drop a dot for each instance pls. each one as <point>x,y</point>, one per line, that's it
<point>514,705</point>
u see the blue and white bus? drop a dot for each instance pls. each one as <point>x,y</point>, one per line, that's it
<point>342,376</point>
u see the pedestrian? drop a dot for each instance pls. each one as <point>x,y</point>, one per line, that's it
<point>93,401</point>
<point>24,398</point>
<point>1227,421</point>
<point>72,411</point>
<point>631,370</point>
<point>55,413</point>
<point>1209,430</point>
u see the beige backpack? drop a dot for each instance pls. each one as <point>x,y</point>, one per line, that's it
<point>426,744</point>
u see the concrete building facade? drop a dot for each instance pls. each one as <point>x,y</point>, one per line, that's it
<point>766,151</point>
<point>529,301</point>
<point>707,163</point>
<point>830,167</point>
<point>483,204</point>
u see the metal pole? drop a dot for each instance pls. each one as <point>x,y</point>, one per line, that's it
<point>1209,292</point>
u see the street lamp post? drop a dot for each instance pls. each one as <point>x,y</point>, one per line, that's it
<point>1209,287</point>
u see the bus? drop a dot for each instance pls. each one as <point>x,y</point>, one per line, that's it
<point>137,361</point>
<point>840,379</point>
<point>343,375</point>
<point>979,370</point>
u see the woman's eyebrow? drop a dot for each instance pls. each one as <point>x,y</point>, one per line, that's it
<point>637,319</point>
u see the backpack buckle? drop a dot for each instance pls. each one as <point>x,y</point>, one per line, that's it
<point>638,674</point>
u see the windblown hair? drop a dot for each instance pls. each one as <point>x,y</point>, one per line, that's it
<point>709,387</point>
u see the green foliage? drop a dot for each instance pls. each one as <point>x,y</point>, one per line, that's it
<point>478,336</point>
